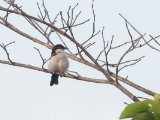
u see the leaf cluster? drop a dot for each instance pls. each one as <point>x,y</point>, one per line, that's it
<point>143,110</point>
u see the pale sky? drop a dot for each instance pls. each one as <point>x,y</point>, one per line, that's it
<point>26,94</point>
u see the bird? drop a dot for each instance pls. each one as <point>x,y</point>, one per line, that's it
<point>58,63</point>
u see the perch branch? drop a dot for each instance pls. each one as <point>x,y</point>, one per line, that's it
<point>102,81</point>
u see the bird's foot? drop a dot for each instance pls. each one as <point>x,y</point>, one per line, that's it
<point>62,74</point>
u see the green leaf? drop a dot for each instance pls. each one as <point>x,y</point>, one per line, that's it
<point>144,116</point>
<point>133,109</point>
<point>157,96</point>
<point>155,109</point>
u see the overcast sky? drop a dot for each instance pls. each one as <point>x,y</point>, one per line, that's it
<point>26,95</point>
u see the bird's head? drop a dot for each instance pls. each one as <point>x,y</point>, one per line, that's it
<point>58,48</point>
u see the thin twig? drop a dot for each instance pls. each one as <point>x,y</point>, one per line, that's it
<point>4,47</point>
<point>153,46</point>
<point>64,44</point>
<point>43,60</point>
<point>86,47</point>
<point>40,11</point>
<point>130,34</point>
<point>106,53</point>
<point>136,61</point>
<point>104,47</point>
<point>72,15</point>
<point>118,46</point>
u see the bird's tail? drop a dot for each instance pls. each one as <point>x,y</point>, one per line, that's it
<point>54,79</point>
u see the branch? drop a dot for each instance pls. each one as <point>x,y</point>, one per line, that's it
<point>18,31</point>
<point>104,47</point>
<point>124,90</point>
<point>43,60</point>
<point>129,34</point>
<point>65,75</point>
<point>135,62</point>
<point>106,53</point>
<point>146,43</point>
<point>64,44</point>
<point>56,29</point>
<point>118,46</point>
<point>155,41</point>
<point>4,47</point>
<point>86,47</point>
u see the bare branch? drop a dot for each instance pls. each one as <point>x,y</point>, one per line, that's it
<point>129,23</point>
<point>18,31</point>
<point>154,38</point>
<point>94,17</point>
<point>74,72</point>
<point>86,47</point>
<point>139,33</point>
<point>93,25</point>
<point>129,33</point>
<point>131,48</point>
<point>102,81</point>
<point>73,21</point>
<point>68,19</point>
<point>118,46</point>
<point>133,28</point>
<point>40,29</point>
<point>106,53</point>
<point>40,11</point>
<point>104,48</point>
<point>125,91</point>
<point>43,60</point>
<point>72,15</point>
<point>75,25</point>
<point>135,62</point>
<point>9,1</point>
<point>92,36</point>
<point>156,42</point>
<point>64,44</point>
<point>4,47</point>
<point>46,12</point>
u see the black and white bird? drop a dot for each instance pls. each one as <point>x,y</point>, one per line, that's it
<point>58,63</point>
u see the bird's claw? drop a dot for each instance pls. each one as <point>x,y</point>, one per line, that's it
<point>62,74</point>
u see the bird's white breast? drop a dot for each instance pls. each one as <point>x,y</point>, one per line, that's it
<point>58,63</point>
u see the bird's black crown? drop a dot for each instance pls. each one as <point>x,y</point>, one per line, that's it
<point>58,46</point>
